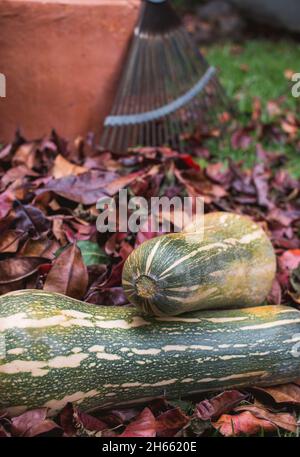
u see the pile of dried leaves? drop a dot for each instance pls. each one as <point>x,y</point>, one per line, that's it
<point>49,240</point>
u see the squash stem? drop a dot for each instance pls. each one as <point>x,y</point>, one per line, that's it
<point>146,287</point>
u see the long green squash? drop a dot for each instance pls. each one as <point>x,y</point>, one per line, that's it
<point>230,263</point>
<point>60,350</point>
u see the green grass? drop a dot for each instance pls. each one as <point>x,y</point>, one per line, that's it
<point>266,63</point>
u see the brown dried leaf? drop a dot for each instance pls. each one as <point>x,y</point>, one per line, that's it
<point>86,188</point>
<point>220,404</point>
<point>21,424</point>
<point>68,274</point>
<point>62,167</point>
<point>143,426</point>
<point>6,200</point>
<point>9,241</point>
<point>31,220</point>
<point>18,268</point>
<point>285,421</point>
<point>285,393</point>
<point>171,422</point>
<point>3,432</point>
<point>243,423</point>
<point>44,248</point>
<point>44,428</point>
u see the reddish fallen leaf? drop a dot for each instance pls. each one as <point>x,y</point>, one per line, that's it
<point>260,180</point>
<point>17,173</point>
<point>171,422</point>
<point>3,432</point>
<point>62,167</point>
<point>273,108</point>
<point>23,423</point>
<point>285,421</point>
<point>66,420</point>
<point>143,426</point>
<point>88,422</point>
<point>290,128</point>
<point>217,173</point>
<point>290,260</point>
<point>86,188</point>
<point>26,154</point>
<point>77,423</point>
<point>121,182</point>
<point>31,220</point>
<point>43,247</point>
<point>68,274</point>
<point>256,109</point>
<point>9,241</point>
<point>216,406</point>
<point>285,393</point>
<point>241,139</point>
<point>244,423</point>
<point>45,428</point>
<point>275,296</point>
<point>159,405</point>
<point>119,417</point>
<point>189,162</point>
<point>6,200</point>
<point>18,268</point>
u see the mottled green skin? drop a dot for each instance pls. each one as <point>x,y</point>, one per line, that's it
<point>185,354</point>
<point>232,265</point>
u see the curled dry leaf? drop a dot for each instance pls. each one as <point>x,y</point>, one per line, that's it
<point>285,393</point>
<point>86,188</point>
<point>143,426</point>
<point>220,404</point>
<point>66,420</point>
<point>18,268</point>
<point>275,295</point>
<point>86,423</point>
<point>68,274</point>
<point>6,201</point>
<point>119,417</point>
<point>31,220</point>
<point>170,422</point>
<point>43,247</point>
<point>290,260</point>
<point>3,432</point>
<point>34,423</point>
<point>9,241</point>
<point>285,421</point>
<point>47,427</point>
<point>62,167</point>
<point>244,423</point>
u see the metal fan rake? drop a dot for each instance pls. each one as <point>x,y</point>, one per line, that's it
<point>167,88</point>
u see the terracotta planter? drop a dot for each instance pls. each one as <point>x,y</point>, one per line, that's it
<point>61,60</point>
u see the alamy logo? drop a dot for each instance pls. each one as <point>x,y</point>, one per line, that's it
<point>2,85</point>
<point>296,87</point>
<point>160,214</point>
<point>296,347</point>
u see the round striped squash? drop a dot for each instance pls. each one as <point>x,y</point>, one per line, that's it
<point>55,350</point>
<point>230,263</point>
